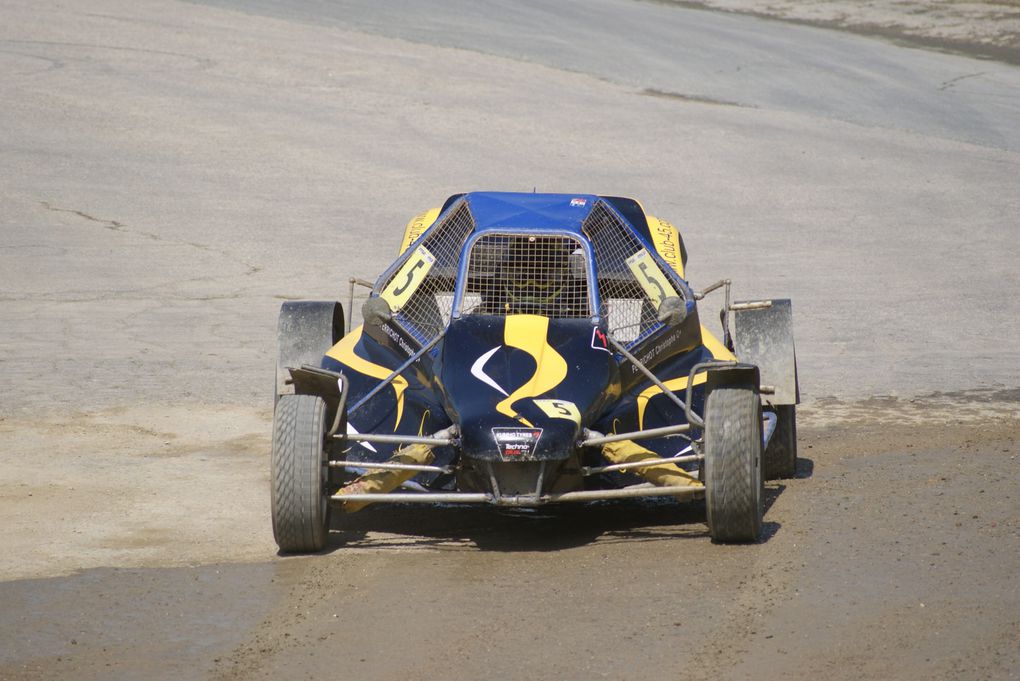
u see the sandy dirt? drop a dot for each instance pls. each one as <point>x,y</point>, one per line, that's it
<point>891,555</point>
<point>986,29</point>
<point>160,182</point>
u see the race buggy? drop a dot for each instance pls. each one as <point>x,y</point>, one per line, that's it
<point>531,349</point>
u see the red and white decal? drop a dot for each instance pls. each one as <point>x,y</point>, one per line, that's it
<point>599,340</point>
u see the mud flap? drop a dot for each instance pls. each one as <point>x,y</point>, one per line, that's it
<point>763,336</point>
<point>305,331</point>
<point>328,385</point>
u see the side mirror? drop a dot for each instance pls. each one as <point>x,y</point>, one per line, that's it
<point>672,311</point>
<point>376,312</point>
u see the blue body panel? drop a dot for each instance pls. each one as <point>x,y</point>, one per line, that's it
<point>506,210</point>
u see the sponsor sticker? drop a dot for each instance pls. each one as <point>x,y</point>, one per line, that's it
<point>417,226</point>
<point>667,242</point>
<point>516,444</point>
<point>578,203</point>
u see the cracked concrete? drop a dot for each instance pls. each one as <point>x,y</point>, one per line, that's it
<point>109,224</point>
<point>115,226</point>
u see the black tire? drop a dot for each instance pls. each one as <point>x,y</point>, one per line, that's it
<point>733,474</point>
<point>301,510</point>
<point>781,454</point>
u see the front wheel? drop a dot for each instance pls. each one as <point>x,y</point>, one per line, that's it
<point>733,464</point>
<point>300,469</point>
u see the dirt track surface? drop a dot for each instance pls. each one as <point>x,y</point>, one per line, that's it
<point>167,168</point>
<point>989,30</point>
<point>892,555</point>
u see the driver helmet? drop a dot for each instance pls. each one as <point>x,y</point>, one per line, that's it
<point>535,273</point>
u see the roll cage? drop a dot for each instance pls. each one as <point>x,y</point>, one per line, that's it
<point>623,278</point>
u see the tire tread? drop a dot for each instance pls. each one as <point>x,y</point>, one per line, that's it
<point>300,516</point>
<point>733,464</point>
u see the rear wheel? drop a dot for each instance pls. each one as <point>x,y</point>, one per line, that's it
<point>781,454</point>
<point>733,473</point>
<point>300,470</point>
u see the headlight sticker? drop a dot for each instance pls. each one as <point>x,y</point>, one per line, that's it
<point>657,287</point>
<point>559,409</point>
<point>408,278</point>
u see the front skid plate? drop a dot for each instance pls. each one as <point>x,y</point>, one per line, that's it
<point>680,491</point>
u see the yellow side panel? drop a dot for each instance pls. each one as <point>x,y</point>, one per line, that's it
<point>343,352</point>
<point>417,226</point>
<point>666,240</point>
<point>718,350</point>
<point>715,346</point>
<point>383,481</point>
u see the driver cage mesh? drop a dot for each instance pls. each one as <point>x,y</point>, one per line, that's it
<point>549,270</point>
<point>527,274</point>
<point>427,312</point>
<point>630,314</point>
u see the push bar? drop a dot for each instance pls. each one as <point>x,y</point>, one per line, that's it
<point>440,438</point>
<point>524,499</point>
<point>595,470</point>
<point>398,439</point>
<point>593,437</point>
<point>754,305</point>
<point>390,466</point>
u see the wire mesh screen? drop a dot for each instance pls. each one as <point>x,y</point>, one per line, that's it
<point>630,313</point>
<point>527,274</point>
<point>420,291</point>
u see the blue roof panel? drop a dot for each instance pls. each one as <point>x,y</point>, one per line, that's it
<point>507,210</point>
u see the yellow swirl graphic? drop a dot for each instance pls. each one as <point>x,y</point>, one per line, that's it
<point>529,333</point>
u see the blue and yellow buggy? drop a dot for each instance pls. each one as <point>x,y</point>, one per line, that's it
<point>531,349</point>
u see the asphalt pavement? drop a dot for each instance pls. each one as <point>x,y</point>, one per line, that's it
<point>172,172</point>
